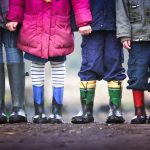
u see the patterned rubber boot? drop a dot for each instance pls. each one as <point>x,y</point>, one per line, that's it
<point>57,105</point>
<point>16,73</point>
<point>115,94</point>
<point>87,94</point>
<point>38,94</point>
<point>140,114</point>
<point>3,118</point>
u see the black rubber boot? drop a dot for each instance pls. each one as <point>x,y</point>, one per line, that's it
<point>86,98</point>
<point>17,116</point>
<point>148,120</point>
<point>56,116</point>
<point>140,116</point>
<point>3,118</point>
<point>139,120</point>
<point>39,117</point>
<point>115,115</point>
<point>84,117</point>
<point>16,73</point>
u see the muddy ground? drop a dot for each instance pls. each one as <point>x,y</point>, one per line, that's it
<point>92,136</point>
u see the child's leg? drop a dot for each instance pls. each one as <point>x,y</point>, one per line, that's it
<point>58,73</point>
<point>114,74</point>
<point>138,97</point>
<point>138,77</point>
<point>91,70</point>
<point>3,118</point>
<point>38,77</point>
<point>16,73</point>
<point>140,114</point>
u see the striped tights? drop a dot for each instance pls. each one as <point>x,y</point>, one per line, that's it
<point>58,73</point>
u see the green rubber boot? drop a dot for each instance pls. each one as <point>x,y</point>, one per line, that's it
<point>115,93</point>
<point>87,93</point>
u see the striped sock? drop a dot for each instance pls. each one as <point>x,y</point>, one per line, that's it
<point>37,73</point>
<point>58,73</point>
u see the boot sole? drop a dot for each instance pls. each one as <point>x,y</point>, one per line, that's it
<point>40,121</point>
<point>115,120</point>
<point>17,119</point>
<point>55,121</point>
<point>81,120</point>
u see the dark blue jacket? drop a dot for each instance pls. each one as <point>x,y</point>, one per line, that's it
<point>3,11</point>
<point>104,14</point>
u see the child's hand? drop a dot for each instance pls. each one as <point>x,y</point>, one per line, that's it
<point>85,30</point>
<point>47,1</point>
<point>11,26</point>
<point>127,44</point>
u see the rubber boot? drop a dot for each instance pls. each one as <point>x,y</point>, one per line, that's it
<point>3,118</point>
<point>16,73</point>
<point>38,94</point>
<point>115,94</point>
<point>87,93</point>
<point>57,105</point>
<point>140,114</point>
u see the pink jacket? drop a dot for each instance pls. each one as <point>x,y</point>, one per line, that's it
<point>46,30</point>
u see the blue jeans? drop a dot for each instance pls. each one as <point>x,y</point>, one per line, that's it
<point>102,57</point>
<point>9,41</point>
<point>139,66</point>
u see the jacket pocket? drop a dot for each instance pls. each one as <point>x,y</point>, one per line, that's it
<point>147,15</point>
<point>135,8</point>
<point>28,31</point>
<point>63,34</point>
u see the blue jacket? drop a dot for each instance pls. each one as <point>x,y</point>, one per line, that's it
<point>104,14</point>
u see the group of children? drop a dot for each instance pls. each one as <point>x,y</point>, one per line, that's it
<point>42,29</point>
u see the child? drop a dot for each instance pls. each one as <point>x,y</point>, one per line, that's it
<point>46,35</point>
<point>16,72</point>
<point>102,58</point>
<point>133,29</point>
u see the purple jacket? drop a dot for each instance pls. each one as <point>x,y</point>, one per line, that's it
<point>46,30</point>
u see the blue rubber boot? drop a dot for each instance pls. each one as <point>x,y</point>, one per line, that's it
<point>38,94</point>
<point>57,104</point>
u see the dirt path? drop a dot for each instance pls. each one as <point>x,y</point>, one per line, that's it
<point>74,137</point>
